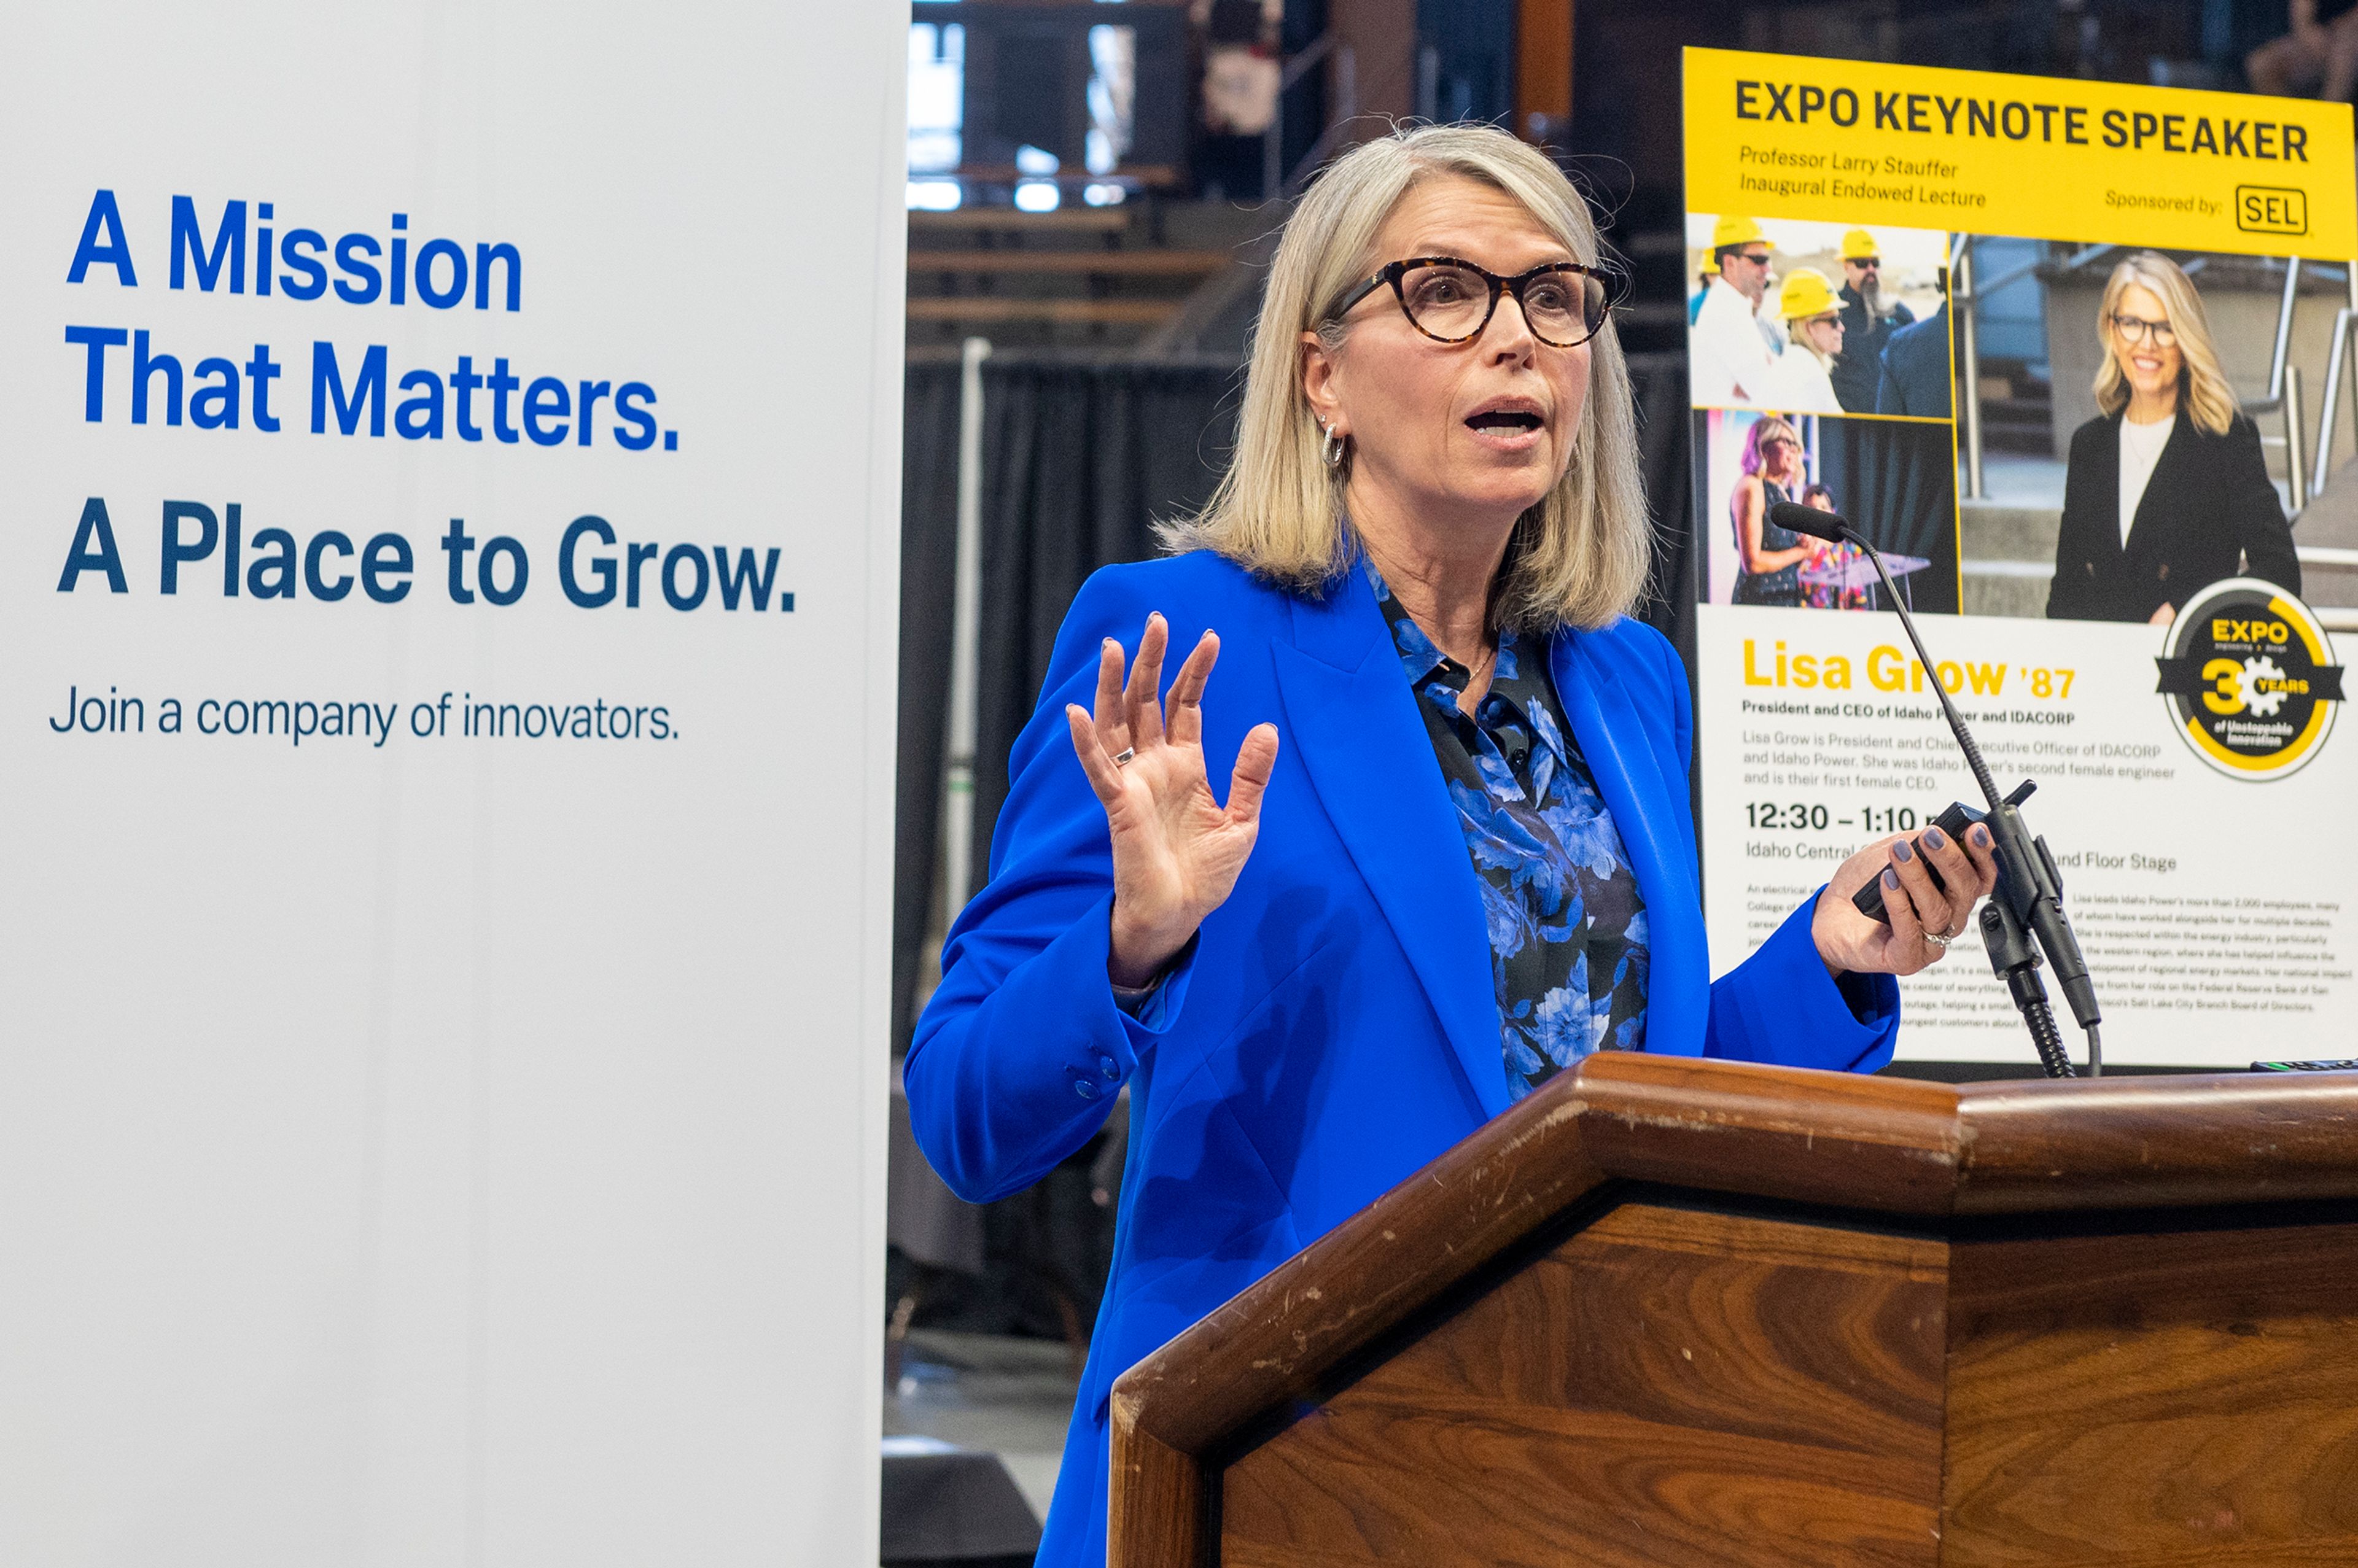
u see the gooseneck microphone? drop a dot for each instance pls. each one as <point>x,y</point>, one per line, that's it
<point>2029,903</point>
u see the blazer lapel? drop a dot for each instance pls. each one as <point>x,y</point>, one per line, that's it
<point>1612,734</point>
<point>2104,495</point>
<point>1354,720</point>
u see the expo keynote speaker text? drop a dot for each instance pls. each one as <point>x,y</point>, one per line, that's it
<point>1456,853</point>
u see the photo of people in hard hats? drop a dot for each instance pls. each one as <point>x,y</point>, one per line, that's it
<point>1892,478</point>
<point>1817,318</point>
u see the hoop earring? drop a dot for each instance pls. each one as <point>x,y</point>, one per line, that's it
<point>1331,447</point>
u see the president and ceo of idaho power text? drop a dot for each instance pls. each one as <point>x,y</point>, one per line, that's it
<point>1456,853</point>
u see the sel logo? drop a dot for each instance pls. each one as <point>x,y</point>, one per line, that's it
<point>2271,210</point>
<point>2247,677</point>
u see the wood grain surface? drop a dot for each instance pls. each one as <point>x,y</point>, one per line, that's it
<point>1664,1387</point>
<point>2145,1399</point>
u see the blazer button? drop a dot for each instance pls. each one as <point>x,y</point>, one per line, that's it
<point>1110,1068</point>
<point>1085,1088</point>
<point>2165,571</point>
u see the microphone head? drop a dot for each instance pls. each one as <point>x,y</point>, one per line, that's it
<point>1808,520</point>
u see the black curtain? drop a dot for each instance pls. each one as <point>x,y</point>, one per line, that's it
<point>1659,388</point>
<point>1896,480</point>
<point>929,444</point>
<point>1080,461</point>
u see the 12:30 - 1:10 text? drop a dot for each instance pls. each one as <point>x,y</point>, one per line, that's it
<point>1814,817</point>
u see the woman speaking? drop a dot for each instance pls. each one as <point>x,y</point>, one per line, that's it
<point>1456,853</point>
<point>2167,487</point>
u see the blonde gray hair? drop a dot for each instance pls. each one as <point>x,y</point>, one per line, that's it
<point>2202,390</point>
<point>1579,556</point>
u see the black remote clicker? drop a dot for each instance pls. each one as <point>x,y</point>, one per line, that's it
<point>1952,822</point>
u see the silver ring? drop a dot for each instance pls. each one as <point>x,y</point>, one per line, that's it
<point>1121,758</point>
<point>1938,940</point>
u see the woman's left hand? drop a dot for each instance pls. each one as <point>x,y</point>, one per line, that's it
<point>1851,943</point>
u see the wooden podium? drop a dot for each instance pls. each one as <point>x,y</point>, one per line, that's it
<point>1678,1313</point>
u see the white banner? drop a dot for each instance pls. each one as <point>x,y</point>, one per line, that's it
<point>2213,913</point>
<point>447,642</point>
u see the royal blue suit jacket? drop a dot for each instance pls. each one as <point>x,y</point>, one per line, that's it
<point>1336,1026</point>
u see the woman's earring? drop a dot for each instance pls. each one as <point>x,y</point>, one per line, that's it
<point>1330,449</point>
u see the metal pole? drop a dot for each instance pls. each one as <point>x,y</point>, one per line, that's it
<point>1962,287</point>
<point>965,638</point>
<point>2337,351</point>
<point>2325,440</point>
<point>2284,327</point>
<point>2296,475</point>
<point>2344,359</point>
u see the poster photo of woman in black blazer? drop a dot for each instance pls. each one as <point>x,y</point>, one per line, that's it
<point>2167,490</point>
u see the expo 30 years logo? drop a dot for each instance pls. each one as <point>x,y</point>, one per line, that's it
<point>2248,677</point>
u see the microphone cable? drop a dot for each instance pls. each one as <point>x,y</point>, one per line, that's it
<point>2028,905</point>
<point>2047,1040</point>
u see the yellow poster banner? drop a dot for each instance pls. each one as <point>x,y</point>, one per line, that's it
<point>2051,158</point>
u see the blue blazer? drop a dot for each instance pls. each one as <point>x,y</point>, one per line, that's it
<point>1334,1027</point>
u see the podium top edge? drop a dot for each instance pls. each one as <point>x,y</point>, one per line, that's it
<point>1906,1147</point>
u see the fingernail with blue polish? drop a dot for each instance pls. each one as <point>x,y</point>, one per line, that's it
<point>1890,880</point>
<point>1981,837</point>
<point>1932,838</point>
<point>1903,850</point>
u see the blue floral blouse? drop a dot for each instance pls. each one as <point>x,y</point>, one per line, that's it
<point>1567,924</point>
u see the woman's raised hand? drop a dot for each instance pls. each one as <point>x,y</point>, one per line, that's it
<point>1176,851</point>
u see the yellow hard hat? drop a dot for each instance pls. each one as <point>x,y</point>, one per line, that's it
<point>1806,293</point>
<point>1734,231</point>
<point>1859,245</point>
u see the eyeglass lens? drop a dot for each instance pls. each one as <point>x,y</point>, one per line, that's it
<point>1451,302</point>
